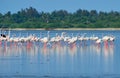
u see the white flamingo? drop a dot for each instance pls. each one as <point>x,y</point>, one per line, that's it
<point>45,39</point>
<point>98,41</point>
<point>56,39</point>
<point>94,38</point>
<point>111,38</point>
<point>72,40</point>
<point>105,38</point>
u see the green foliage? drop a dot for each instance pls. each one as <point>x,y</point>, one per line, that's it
<point>31,18</point>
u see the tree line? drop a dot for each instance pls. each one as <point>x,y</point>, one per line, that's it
<point>31,18</point>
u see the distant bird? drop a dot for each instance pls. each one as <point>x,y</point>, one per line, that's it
<point>98,41</point>
<point>94,38</point>
<point>105,38</point>
<point>45,39</point>
<point>112,38</point>
<point>72,40</point>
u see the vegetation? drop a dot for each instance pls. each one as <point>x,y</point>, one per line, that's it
<point>31,18</point>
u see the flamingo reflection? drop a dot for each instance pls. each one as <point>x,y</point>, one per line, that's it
<point>72,49</point>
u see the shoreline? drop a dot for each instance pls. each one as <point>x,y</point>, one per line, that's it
<point>63,28</point>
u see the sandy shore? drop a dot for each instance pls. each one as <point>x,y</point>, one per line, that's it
<point>87,29</point>
<point>65,29</point>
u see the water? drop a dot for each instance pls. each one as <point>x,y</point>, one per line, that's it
<point>34,60</point>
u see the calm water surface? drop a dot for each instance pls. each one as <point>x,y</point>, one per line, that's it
<point>34,60</point>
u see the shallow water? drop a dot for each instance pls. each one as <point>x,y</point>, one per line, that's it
<point>34,59</point>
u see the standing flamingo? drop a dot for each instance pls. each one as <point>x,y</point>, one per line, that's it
<point>45,39</point>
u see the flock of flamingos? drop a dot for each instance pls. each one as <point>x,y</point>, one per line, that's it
<point>63,37</point>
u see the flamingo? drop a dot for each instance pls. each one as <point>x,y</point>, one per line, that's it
<point>56,39</point>
<point>105,38</point>
<point>72,40</point>
<point>111,38</point>
<point>45,39</point>
<point>98,41</point>
<point>83,37</point>
<point>94,38</point>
